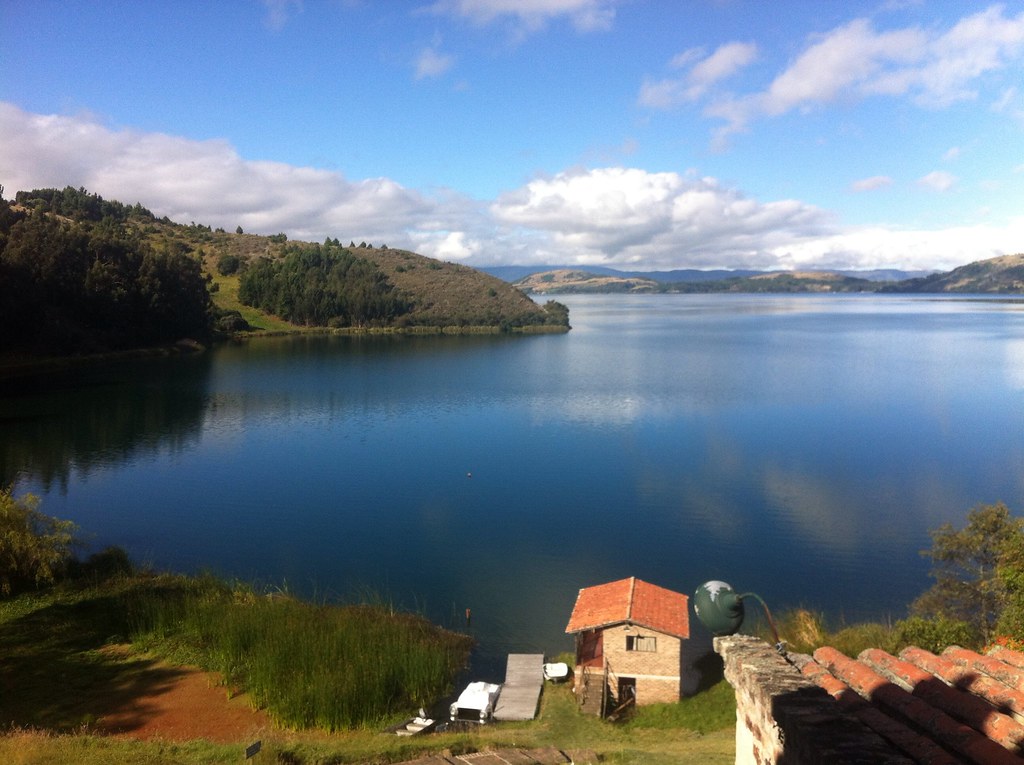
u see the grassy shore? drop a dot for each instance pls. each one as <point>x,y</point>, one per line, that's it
<point>325,667</point>
<point>558,725</point>
<point>57,666</point>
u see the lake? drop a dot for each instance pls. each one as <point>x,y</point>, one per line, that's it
<point>801,447</point>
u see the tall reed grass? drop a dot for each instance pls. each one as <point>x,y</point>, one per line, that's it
<point>329,667</point>
<point>803,631</point>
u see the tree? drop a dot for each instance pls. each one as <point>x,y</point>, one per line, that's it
<point>1011,573</point>
<point>73,286</point>
<point>971,568</point>
<point>321,285</point>
<point>34,548</point>
<point>227,264</point>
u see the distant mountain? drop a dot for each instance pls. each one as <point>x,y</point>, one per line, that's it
<point>785,281</point>
<point>1004,274</point>
<point>570,281</point>
<point>574,281</point>
<point>884,274</point>
<point>517,273</point>
<point>997,275</point>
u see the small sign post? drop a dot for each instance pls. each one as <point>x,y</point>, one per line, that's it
<point>253,749</point>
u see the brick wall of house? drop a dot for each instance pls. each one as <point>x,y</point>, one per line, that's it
<point>657,672</point>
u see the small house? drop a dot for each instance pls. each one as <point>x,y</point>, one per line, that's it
<point>630,638</point>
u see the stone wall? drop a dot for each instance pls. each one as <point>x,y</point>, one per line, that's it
<point>783,717</point>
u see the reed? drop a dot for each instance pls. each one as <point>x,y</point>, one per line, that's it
<point>804,631</point>
<point>328,667</point>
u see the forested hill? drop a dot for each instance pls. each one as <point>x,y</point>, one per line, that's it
<point>1004,275</point>
<point>80,274</point>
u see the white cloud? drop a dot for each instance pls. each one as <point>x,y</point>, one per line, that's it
<point>723,63</point>
<point>585,15</point>
<point>869,247</point>
<point>937,180</point>
<point>617,216</point>
<point>976,45</point>
<point>203,181</point>
<point>432,63</point>
<point>279,11</point>
<point>1011,104</point>
<point>855,61</point>
<point>850,57</point>
<point>1006,99</point>
<point>952,153</point>
<point>621,216</point>
<point>872,183</point>
<point>700,77</point>
<point>447,245</point>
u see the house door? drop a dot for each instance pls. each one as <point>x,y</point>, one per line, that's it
<point>627,690</point>
<point>591,648</point>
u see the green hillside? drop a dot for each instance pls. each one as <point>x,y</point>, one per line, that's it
<point>80,274</point>
<point>1001,275</point>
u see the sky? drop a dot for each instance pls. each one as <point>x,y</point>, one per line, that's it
<point>793,134</point>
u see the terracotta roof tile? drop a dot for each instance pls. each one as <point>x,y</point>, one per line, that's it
<point>631,600</point>
<point>957,707</point>
<point>989,665</point>
<point>926,751</point>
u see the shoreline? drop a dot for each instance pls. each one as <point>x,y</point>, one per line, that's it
<point>28,366</point>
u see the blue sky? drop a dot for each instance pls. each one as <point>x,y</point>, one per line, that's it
<point>640,135</point>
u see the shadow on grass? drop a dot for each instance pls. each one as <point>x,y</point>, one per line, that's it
<point>61,669</point>
<point>711,669</point>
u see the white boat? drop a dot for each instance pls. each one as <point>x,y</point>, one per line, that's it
<point>556,671</point>
<point>414,725</point>
<point>476,703</point>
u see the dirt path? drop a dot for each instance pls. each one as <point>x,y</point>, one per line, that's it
<point>185,704</point>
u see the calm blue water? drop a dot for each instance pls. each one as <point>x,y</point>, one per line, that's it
<point>801,447</point>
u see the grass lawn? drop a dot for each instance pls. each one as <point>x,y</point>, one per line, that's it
<point>559,725</point>
<point>56,659</point>
<point>226,297</point>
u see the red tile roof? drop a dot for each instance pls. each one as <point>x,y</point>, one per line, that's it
<point>957,707</point>
<point>634,601</point>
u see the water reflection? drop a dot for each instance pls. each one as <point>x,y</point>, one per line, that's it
<point>802,447</point>
<point>56,424</point>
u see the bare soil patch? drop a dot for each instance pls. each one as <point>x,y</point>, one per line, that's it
<point>179,704</point>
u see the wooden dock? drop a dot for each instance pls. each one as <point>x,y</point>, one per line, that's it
<point>520,693</point>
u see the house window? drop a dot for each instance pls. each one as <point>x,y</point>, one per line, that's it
<point>641,643</point>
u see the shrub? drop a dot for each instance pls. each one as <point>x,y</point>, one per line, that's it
<point>227,264</point>
<point>34,548</point>
<point>1006,641</point>
<point>934,634</point>
<point>229,321</point>
<point>111,563</point>
<point>855,638</point>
